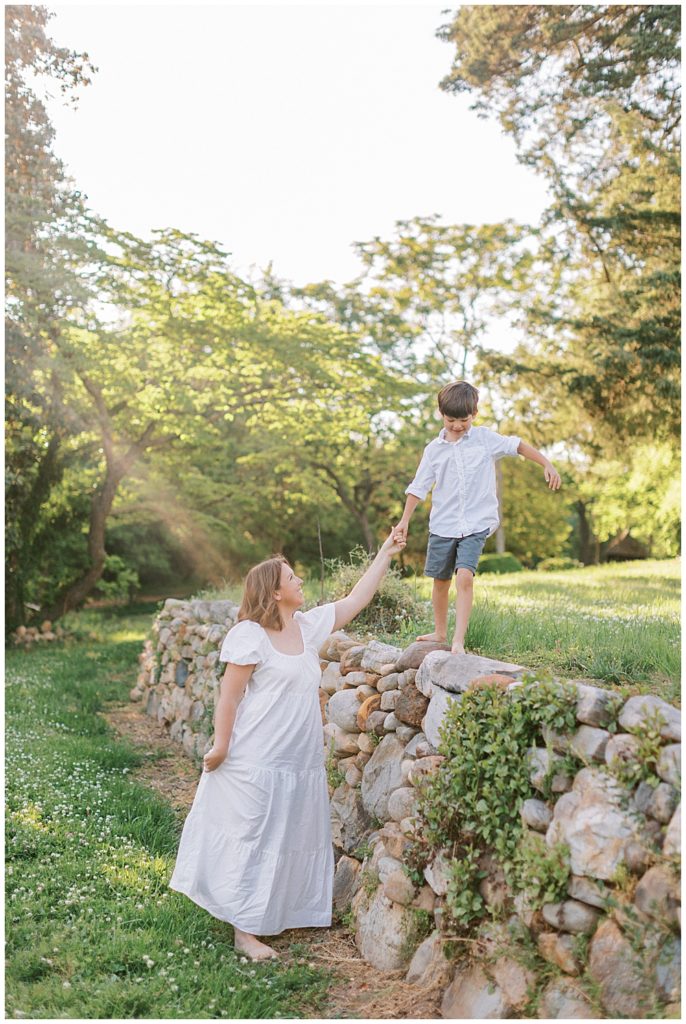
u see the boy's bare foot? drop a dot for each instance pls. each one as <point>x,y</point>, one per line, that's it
<point>436,637</point>
<point>250,946</point>
<point>457,648</point>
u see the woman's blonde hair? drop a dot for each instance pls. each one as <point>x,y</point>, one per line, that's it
<point>259,604</point>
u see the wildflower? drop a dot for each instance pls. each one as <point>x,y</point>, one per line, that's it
<point>66,984</point>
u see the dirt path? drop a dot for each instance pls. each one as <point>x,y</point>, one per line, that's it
<point>359,990</point>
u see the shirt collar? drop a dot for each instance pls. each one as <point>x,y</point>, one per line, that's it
<point>441,437</point>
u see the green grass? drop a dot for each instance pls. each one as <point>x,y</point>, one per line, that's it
<point>93,931</point>
<point>615,623</point>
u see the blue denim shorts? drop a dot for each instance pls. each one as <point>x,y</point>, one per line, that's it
<point>445,555</point>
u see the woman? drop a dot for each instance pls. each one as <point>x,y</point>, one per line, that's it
<point>256,847</point>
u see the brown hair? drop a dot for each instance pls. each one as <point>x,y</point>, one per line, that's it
<point>458,400</point>
<point>259,604</point>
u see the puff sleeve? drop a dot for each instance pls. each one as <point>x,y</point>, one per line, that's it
<point>317,624</point>
<point>244,644</point>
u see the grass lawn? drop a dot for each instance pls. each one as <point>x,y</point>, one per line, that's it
<point>618,623</point>
<point>92,929</point>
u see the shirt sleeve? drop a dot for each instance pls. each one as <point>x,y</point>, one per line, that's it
<point>243,644</point>
<point>424,478</point>
<point>317,624</point>
<point>500,445</point>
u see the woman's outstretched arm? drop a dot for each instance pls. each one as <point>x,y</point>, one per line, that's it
<point>363,591</point>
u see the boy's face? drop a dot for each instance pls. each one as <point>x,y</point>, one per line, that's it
<point>456,428</point>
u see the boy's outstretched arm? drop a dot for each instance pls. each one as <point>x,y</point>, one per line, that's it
<point>416,492</point>
<point>400,530</point>
<point>552,477</point>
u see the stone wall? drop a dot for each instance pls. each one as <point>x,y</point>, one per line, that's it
<point>611,948</point>
<point>180,669</point>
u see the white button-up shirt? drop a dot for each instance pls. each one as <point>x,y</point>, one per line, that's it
<point>462,475</point>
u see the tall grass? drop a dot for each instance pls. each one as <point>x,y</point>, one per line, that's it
<point>615,623</point>
<point>92,929</point>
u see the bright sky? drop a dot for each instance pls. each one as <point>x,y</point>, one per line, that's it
<point>283,132</point>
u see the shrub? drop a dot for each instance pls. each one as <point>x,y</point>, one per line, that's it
<point>119,582</point>
<point>392,605</point>
<point>471,804</point>
<point>558,564</point>
<point>541,872</point>
<point>499,563</point>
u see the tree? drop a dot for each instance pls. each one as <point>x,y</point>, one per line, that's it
<point>191,349</point>
<point>591,96</point>
<point>44,253</point>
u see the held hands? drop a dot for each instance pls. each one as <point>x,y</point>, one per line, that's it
<point>552,477</point>
<point>395,542</point>
<point>213,758</point>
<point>400,531</point>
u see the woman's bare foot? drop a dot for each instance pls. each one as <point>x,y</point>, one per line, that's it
<point>457,648</point>
<point>436,637</point>
<point>250,946</point>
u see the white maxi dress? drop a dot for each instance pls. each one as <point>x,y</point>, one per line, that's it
<point>256,847</point>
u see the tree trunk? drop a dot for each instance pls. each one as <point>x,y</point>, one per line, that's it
<point>101,506</point>
<point>361,516</point>
<point>589,548</point>
<point>500,532</point>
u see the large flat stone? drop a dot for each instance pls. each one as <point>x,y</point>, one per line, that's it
<point>381,930</point>
<point>594,705</point>
<point>589,743</point>
<point>437,874</point>
<point>382,775</point>
<point>543,763</point>
<point>346,881</point>
<point>669,764</point>
<point>657,894</point>
<point>414,655</point>
<point>640,711</point>
<point>668,971</point>
<point>561,999</point>
<point>342,709</point>
<point>559,950</point>
<point>350,822</point>
<point>332,679</point>
<point>536,814</point>
<point>429,965</point>
<point>672,844</point>
<point>410,706</point>
<point>377,655</point>
<point>618,972</point>
<point>571,916</point>
<point>473,995</point>
<point>438,705</point>
<point>593,823</point>
<point>454,672</point>
<point>402,803</point>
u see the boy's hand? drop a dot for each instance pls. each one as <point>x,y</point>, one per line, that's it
<point>400,531</point>
<point>552,477</point>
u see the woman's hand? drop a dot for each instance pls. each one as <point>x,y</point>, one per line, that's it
<point>213,758</point>
<point>395,542</point>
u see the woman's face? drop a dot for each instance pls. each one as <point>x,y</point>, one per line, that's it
<point>290,592</point>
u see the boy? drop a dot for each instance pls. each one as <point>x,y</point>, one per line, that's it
<point>460,467</point>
